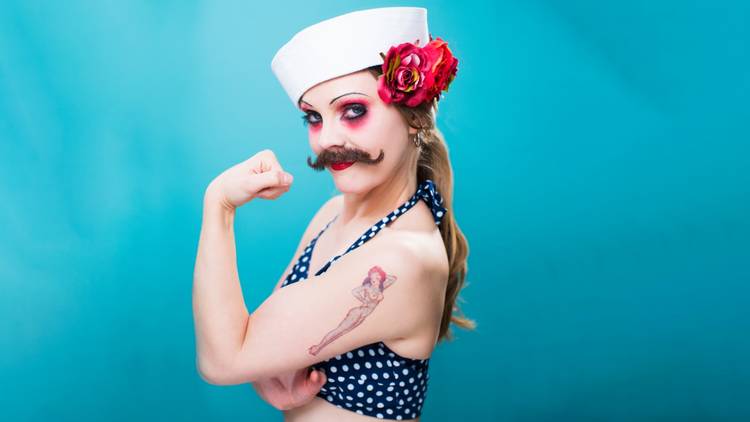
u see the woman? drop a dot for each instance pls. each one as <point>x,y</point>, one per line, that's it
<point>371,123</point>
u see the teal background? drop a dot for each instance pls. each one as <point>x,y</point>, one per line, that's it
<point>601,157</point>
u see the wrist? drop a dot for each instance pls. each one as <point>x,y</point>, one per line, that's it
<point>212,198</point>
<point>215,206</point>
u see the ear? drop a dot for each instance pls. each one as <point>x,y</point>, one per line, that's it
<point>412,122</point>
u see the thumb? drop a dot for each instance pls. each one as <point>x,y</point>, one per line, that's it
<point>317,378</point>
<point>270,179</point>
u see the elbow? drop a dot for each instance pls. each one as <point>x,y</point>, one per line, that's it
<point>210,372</point>
<point>217,373</point>
<point>214,372</point>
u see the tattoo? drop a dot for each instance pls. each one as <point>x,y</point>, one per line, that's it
<point>370,293</point>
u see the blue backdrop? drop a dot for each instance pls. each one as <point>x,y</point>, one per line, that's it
<point>601,158</point>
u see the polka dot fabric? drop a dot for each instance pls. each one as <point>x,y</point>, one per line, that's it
<point>373,380</point>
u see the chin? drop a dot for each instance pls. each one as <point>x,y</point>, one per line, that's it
<point>353,180</point>
<point>349,186</point>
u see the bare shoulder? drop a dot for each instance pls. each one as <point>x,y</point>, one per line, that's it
<point>415,250</point>
<point>420,239</point>
<point>417,232</point>
<point>422,249</point>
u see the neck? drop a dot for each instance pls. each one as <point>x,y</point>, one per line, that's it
<point>367,207</point>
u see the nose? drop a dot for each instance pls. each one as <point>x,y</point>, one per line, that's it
<point>330,135</point>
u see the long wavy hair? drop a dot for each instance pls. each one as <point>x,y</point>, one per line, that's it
<point>434,163</point>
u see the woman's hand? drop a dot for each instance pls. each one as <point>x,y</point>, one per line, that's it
<point>259,176</point>
<point>290,390</point>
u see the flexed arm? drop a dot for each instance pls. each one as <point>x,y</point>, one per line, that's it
<point>219,311</point>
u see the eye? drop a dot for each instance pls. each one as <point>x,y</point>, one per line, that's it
<point>311,118</point>
<point>355,111</point>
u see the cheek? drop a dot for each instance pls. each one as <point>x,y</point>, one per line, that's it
<point>373,130</point>
<point>313,130</point>
<point>389,134</point>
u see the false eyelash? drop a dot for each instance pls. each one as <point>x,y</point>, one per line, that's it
<point>351,106</point>
<point>305,121</point>
<point>347,106</point>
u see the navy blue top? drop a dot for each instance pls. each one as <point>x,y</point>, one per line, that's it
<point>374,380</point>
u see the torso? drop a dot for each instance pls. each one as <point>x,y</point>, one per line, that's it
<point>334,241</point>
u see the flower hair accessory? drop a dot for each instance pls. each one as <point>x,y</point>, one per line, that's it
<point>413,75</point>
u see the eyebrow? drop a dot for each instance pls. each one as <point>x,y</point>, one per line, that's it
<point>348,93</point>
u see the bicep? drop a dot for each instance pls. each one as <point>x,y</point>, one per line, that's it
<point>283,328</point>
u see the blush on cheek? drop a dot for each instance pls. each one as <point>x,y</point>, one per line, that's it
<point>358,123</point>
<point>313,129</point>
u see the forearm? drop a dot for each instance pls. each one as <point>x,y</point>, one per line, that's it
<point>218,305</point>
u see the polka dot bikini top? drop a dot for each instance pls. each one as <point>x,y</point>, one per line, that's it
<point>373,380</point>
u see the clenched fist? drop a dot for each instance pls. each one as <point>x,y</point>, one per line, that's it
<point>259,176</point>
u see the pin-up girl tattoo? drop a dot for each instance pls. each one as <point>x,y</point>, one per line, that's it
<point>370,293</point>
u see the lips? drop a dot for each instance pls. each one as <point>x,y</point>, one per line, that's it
<point>341,165</point>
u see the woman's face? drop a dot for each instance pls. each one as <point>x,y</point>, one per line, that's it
<point>375,278</point>
<point>346,114</point>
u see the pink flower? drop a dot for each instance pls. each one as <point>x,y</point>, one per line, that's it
<point>413,74</point>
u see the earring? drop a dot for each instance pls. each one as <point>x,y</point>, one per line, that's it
<point>418,138</point>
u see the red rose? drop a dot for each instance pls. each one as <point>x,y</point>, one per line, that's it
<point>406,75</point>
<point>413,74</point>
<point>444,66</point>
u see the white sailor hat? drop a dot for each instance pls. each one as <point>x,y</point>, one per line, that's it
<point>344,44</point>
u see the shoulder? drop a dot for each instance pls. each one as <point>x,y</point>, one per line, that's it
<point>415,236</point>
<point>414,302</point>
<point>415,244</point>
<point>413,289</point>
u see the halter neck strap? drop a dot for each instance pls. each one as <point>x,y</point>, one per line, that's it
<point>427,191</point>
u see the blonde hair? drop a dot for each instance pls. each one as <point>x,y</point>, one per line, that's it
<point>434,163</point>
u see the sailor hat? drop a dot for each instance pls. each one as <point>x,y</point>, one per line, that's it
<point>345,44</point>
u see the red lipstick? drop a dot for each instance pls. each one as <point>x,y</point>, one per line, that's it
<point>341,165</point>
